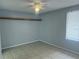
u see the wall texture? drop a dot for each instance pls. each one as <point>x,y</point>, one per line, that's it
<point>53,29</point>
<point>16,32</point>
<point>0,48</point>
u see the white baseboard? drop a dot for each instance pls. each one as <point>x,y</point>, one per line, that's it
<point>74,52</point>
<point>20,44</point>
<point>46,43</point>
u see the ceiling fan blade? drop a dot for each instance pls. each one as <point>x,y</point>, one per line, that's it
<point>36,0</point>
<point>46,6</point>
<point>27,5</point>
<point>29,1</point>
<point>44,1</point>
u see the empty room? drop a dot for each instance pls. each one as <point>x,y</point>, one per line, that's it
<point>39,29</point>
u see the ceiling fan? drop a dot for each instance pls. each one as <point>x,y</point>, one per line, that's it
<point>37,5</point>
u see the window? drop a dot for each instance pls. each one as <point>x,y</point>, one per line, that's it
<point>72,26</point>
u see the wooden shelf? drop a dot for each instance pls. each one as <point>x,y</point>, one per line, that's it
<point>19,18</point>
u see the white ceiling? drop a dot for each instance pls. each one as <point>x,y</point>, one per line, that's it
<point>21,5</point>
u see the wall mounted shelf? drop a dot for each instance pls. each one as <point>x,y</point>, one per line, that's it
<point>21,18</point>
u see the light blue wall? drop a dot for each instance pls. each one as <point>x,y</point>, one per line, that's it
<point>0,44</point>
<point>16,32</point>
<point>0,48</point>
<point>16,14</point>
<point>53,29</point>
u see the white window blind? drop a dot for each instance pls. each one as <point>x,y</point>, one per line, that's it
<point>72,26</point>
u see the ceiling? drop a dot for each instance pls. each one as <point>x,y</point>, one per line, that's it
<point>21,5</point>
